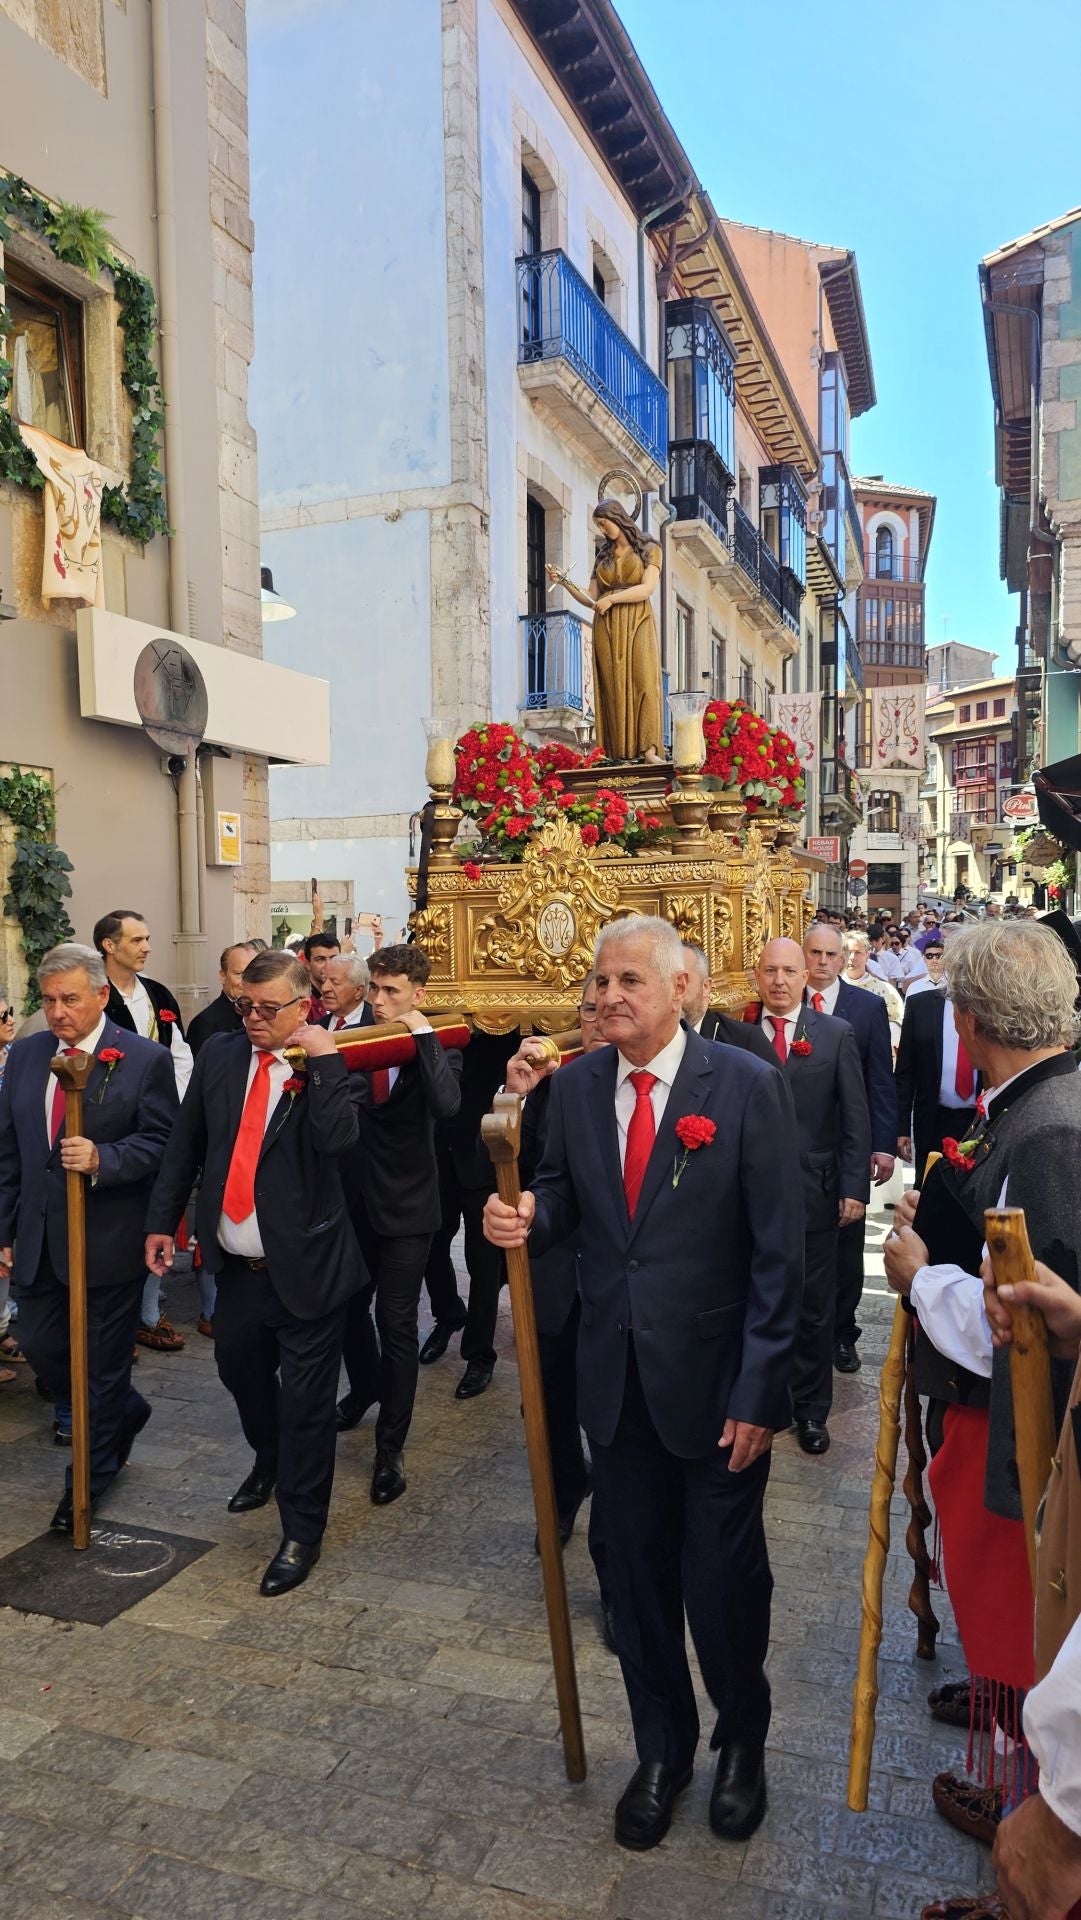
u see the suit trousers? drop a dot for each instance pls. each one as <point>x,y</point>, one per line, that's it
<point>283,1374</point>
<point>486,1275</point>
<point>395,1264</point>
<point>683,1535</point>
<point>559,1382</point>
<point>812,1371</point>
<point>850,1253</point>
<point>440,1277</point>
<point>112,1321</point>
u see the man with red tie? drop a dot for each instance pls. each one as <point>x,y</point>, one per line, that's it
<point>273,1227</point>
<point>129,1106</point>
<point>674,1161</point>
<point>936,1081</point>
<point>394,1205</point>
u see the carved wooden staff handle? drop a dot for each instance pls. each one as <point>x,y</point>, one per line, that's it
<point>73,1071</point>
<point>502,1131</point>
<point>865,1694</point>
<point>1030,1366</point>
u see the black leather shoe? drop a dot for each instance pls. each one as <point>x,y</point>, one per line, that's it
<point>568,1515</point>
<point>438,1341</point>
<point>129,1433</point>
<point>737,1804</point>
<point>608,1626</point>
<point>813,1435</point>
<point>350,1412</point>
<point>644,1814</point>
<point>476,1379</point>
<point>845,1358</point>
<point>253,1492</point>
<point>63,1520</point>
<point>388,1480</point>
<point>61,1435</point>
<point>289,1568</point>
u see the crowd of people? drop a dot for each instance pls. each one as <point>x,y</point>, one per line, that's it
<point>739,1149</point>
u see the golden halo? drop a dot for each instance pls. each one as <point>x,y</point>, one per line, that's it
<point>608,490</point>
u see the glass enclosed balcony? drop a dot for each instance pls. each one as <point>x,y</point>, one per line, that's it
<point>551,661</point>
<point>563,321</point>
<point>698,485</point>
<point>701,379</point>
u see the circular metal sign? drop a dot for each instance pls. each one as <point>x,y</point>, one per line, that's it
<point>171,696</point>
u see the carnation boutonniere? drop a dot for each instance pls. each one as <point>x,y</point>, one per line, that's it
<point>110,1058</point>
<point>169,1018</point>
<point>295,1084</point>
<point>801,1048</point>
<point>960,1153</point>
<point>692,1131</point>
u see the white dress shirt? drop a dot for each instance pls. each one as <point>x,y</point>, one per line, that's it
<point>90,1045</point>
<point>913,964</point>
<point>828,996</point>
<point>141,1008</point>
<point>242,1237</point>
<point>923,984</point>
<point>885,964</point>
<point>665,1065</point>
<point>1052,1715</point>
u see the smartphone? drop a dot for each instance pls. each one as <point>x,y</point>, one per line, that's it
<point>348,925</point>
<point>315,887</point>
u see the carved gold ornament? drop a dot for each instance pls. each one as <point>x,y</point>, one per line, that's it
<point>548,912</point>
<point>684,911</point>
<point>724,940</point>
<point>431,930</point>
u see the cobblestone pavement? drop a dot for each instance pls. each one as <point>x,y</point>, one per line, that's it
<point>383,1742</point>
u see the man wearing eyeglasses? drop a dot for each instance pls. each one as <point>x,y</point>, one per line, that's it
<point>273,1228</point>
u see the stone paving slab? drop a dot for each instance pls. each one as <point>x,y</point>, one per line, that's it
<point>385,1743</point>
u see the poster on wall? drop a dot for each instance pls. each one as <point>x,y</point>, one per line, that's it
<point>797,715</point>
<point>897,726</point>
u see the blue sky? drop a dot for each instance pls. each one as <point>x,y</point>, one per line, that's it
<point>923,137</point>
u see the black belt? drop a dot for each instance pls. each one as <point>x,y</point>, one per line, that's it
<point>241,1260</point>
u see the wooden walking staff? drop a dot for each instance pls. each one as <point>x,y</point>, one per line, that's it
<point>501,1130</point>
<point>1030,1366</point>
<point>73,1071</point>
<point>891,1386</point>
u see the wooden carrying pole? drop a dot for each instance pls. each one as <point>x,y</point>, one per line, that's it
<point>501,1130</point>
<point>73,1071</point>
<point>1030,1366</point>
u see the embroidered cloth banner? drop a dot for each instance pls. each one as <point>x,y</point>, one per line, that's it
<point>897,726</point>
<point>797,715</point>
<point>71,564</point>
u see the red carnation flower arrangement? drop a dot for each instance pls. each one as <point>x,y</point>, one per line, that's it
<point>510,789</point>
<point>745,754</point>
<point>693,1130</point>
<point>801,1048</point>
<point>110,1058</point>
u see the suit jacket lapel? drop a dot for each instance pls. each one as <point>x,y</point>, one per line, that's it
<point>806,1020</point>
<point>605,1064</point>
<point>687,1095</point>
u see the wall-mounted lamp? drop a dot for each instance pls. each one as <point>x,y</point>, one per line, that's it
<point>273,606</point>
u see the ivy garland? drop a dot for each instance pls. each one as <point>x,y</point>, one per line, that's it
<point>78,237</point>
<point>38,883</point>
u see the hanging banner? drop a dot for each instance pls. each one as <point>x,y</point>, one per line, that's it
<point>897,726</point>
<point>797,715</point>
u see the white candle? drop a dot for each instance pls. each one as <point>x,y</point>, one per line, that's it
<point>688,743</point>
<point>440,766</point>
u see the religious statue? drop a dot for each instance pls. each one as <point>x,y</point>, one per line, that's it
<point>626,655</point>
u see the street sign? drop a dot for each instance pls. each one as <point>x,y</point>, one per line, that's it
<point>1020,807</point>
<point>825,846</point>
<point>858,869</point>
<point>857,888</point>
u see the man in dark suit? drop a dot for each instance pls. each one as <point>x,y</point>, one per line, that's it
<point>824,953</point>
<point>129,1107</point>
<point>466,1178</point>
<point>825,1079</point>
<point>393,1197</point>
<point>936,1081</point>
<point>221,1015</point>
<point>675,1163</point>
<point>709,1021</point>
<point>345,993</point>
<point>272,1225</point>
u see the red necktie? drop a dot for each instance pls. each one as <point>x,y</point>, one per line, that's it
<point>818,1003</point>
<point>380,1085</point>
<point>640,1137</point>
<point>59,1103</point>
<point>780,1044</point>
<point>239,1198</point>
<point>339,1023</point>
<point>964,1079</point>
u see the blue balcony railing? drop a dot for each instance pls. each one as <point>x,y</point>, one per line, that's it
<point>562,318</point>
<point>551,661</point>
<point>745,541</point>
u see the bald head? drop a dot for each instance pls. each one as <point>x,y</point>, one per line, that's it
<point>824,954</point>
<point>781,975</point>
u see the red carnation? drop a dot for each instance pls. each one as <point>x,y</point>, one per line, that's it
<point>295,1084</point>
<point>952,1151</point>
<point>694,1131</point>
<point>169,1018</point>
<point>110,1055</point>
<point>590,835</point>
<point>471,870</point>
<point>801,1047</point>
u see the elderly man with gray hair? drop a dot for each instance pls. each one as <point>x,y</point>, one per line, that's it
<point>675,1162</point>
<point>129,1107</point>
<point>1012,986</point>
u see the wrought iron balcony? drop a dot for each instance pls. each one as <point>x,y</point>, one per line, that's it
<point>745,541</point>
<point>698,484</point>
<point>839,783</point>
<point>907,654</point>
<point>562,319</point>
<point>877,567</point>
<point>791,599</point>
<point>769,575</point>
<point>551,661</point>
